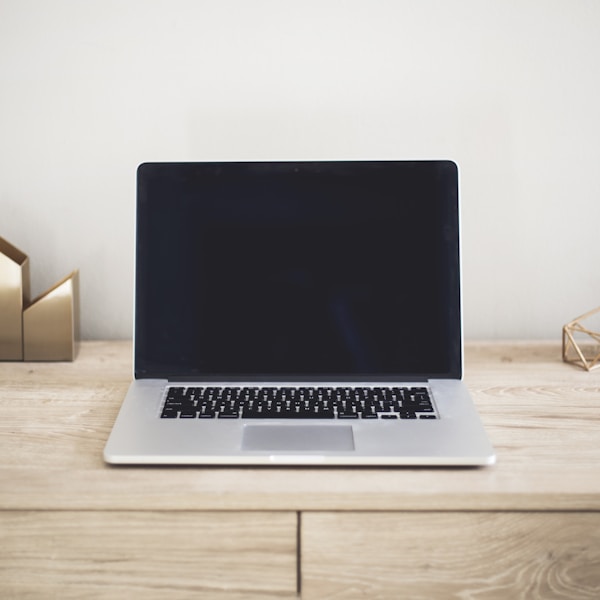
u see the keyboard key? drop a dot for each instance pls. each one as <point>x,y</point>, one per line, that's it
<point>229,414</point>
<point>407,415</point>
<point>368,415</point>
<point>169,413</point>
<point>347,415</point>
<point>187,414</point>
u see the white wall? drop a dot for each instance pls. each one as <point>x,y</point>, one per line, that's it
<point>510,89</point>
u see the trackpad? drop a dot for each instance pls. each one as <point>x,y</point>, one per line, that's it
<point>298,437</point>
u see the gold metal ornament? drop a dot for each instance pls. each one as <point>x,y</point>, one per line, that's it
<point>14,295</point>
<point>584,353</point>
<point>51,323</point>
<point>45,329</point>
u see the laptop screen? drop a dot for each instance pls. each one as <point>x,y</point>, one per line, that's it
<point>298,270</point>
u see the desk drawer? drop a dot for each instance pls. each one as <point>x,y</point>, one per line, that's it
<point>450,555</point>
<point>150,555</point>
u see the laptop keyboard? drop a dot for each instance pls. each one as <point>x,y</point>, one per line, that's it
<point>298,403</point>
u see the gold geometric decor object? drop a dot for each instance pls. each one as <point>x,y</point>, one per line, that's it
<point>580,343</point>
<point>51,322</point>
<point>46,328</point>
<point>14,295</point>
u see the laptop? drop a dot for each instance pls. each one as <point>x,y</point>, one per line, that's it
<point>298,313</point>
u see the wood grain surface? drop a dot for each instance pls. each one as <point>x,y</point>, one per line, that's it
<point>542,415</point>
<point>474,556</point>
<point>147,554</point>
<point>73,527</point>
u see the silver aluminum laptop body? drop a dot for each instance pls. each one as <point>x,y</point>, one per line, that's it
<point>306,278</point>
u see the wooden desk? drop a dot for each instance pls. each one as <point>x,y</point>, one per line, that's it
<point>528,527</point>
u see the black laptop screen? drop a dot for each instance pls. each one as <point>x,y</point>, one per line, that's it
<point>306,270</point>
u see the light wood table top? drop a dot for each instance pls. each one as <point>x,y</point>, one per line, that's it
<point>543,417</point>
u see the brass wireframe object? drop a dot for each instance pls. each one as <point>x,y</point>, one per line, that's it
<point>583,355</point>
